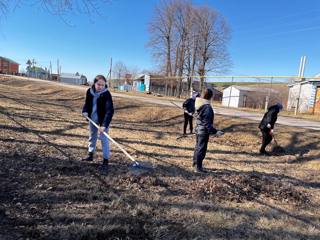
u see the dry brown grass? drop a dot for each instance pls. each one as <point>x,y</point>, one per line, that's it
<point>48,193</point>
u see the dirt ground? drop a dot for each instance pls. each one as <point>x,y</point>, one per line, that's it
<point>47,192</point>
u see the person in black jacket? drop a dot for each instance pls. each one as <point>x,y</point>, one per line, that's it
<point>99,107</point>
<point>189,109</point>
<point>204,128</point>
<point>267,125</point>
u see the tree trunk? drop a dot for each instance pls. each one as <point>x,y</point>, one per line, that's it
<point>168,64</point>
<point>202,79</point>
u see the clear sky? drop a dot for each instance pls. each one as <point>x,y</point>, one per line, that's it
<point>268,36</point>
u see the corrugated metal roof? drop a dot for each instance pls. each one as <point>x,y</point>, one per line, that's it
<point>254,89</point>
<point>70,75</point>
<point>306,81</point>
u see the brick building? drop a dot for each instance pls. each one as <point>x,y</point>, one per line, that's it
<point>8,66</point>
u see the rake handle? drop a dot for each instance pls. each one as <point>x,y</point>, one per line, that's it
<point>275,141</point>
<point>180,108</point>
<point>113,141</point>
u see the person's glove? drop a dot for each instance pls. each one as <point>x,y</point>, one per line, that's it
<point>219,133</point>
<point>268,126</point>
<point>271,132</point>
<point>190,114</point>
<point>85,114</point>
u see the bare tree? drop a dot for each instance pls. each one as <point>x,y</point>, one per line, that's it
<point>184,27</point>
<point>119,70</point>
<point>57,7</point>
<point>189,39</point>
<point>3,7</point>
<point>88,7</point>
<point>213,36</point>
<point>183,24</point>
<point>161,30</point>
<point>191,55</point>
<point>134,71</point>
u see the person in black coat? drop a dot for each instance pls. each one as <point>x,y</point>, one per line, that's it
<point>267,125</point>
<point>204,128</point>
<point>189,109</point>
<point>99,108</point>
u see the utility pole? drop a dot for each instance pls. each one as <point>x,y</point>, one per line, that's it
<point>301,78</point>
<point>50,71</point>
<point>110,74</point>
<point>58,67</point>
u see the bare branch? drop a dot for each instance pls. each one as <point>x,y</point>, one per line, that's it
<point>186,39</point>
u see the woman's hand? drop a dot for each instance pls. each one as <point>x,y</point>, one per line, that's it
<point>101,129</point>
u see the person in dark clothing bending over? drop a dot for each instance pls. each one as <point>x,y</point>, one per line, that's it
<point>204,128</point>
<point>267,125</point>
<point>189,109</point>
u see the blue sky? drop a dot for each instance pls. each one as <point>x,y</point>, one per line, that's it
<point>267,38</point>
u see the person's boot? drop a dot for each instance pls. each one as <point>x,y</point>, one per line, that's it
<point>105,166</point>
<point>264,153</point>
<point>89,158</point>
<point>199,170</point>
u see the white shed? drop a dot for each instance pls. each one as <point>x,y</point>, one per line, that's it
<point>242,96</point>
<point>71,78</point>
<point>231,97</point>
<point>309,95</point>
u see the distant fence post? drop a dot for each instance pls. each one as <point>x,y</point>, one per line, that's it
<point>230,92</point>
<point>296,110</point>
<point>266,103</point>
<point>268,97</point>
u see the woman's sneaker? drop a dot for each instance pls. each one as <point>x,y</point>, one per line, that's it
<point>105,166</point>
<point>89,158</point>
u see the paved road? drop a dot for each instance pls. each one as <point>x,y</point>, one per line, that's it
<point>289,121</point>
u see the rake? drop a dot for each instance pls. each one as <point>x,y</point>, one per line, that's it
<point>135,164</point>
<point>277,149</point>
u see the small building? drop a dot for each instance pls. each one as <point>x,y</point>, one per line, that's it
<point>217,95</point>
<point>142,83</point>
<point>252,97</point>
<point>309,95</point>
<point>71,78</point>
<point>8,66</point>
<point>54,77</point>
<point>37,72</point>
<point>152,83</point>
<point>125,87</point>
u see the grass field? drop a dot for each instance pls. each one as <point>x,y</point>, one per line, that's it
<point>46,192</point>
